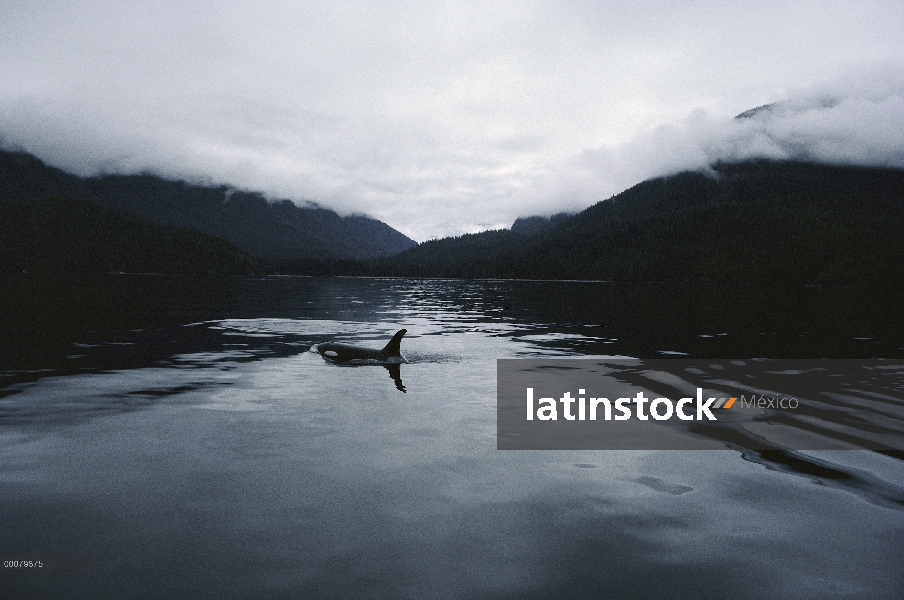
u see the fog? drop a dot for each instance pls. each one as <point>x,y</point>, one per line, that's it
<point>855,120</point>
<point>452,118</point>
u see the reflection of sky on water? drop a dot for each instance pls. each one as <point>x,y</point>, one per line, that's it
<point>242,465</point>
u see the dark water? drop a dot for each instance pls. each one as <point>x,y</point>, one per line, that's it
<point>177,432</point>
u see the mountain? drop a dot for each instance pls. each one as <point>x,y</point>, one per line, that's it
<point>756,111</point>
<point>58,234</point>
<point>271,231</point>
<point>753,222</point>
<point>24,177</point>
<point>474,255</point>
<point>536,224</point>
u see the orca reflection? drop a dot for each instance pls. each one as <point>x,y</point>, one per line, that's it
<point>396,373</point>
<point>389,356</point>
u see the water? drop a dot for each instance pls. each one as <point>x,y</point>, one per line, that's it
<point>178,432</point>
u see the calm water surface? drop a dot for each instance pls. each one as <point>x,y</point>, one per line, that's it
<point>179,434</point>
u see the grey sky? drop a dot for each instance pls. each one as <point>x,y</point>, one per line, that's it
<point>446,118</point>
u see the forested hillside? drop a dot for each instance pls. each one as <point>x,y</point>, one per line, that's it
<point>759,221</point>
<point>271,231</point>
<point>57,234</point>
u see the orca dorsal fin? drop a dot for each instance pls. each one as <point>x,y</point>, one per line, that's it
<point>394,347</point>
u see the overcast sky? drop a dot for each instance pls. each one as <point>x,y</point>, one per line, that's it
<point>443,118</point>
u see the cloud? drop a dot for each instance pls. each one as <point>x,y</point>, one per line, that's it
<point>857,119</point>
<point>445,118</point>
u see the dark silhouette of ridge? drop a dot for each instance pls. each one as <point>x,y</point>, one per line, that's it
<point>756,221</point>
<point>271,231</point>
<point>64,235</point>
<point>536,224</point>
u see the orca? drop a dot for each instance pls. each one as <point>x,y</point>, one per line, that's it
<point>344,353</point>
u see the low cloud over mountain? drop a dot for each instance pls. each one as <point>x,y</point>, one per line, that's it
<point>446,119</point>
<point>857,120</point>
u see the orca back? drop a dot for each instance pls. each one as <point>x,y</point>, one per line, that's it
<point>394,347</point>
